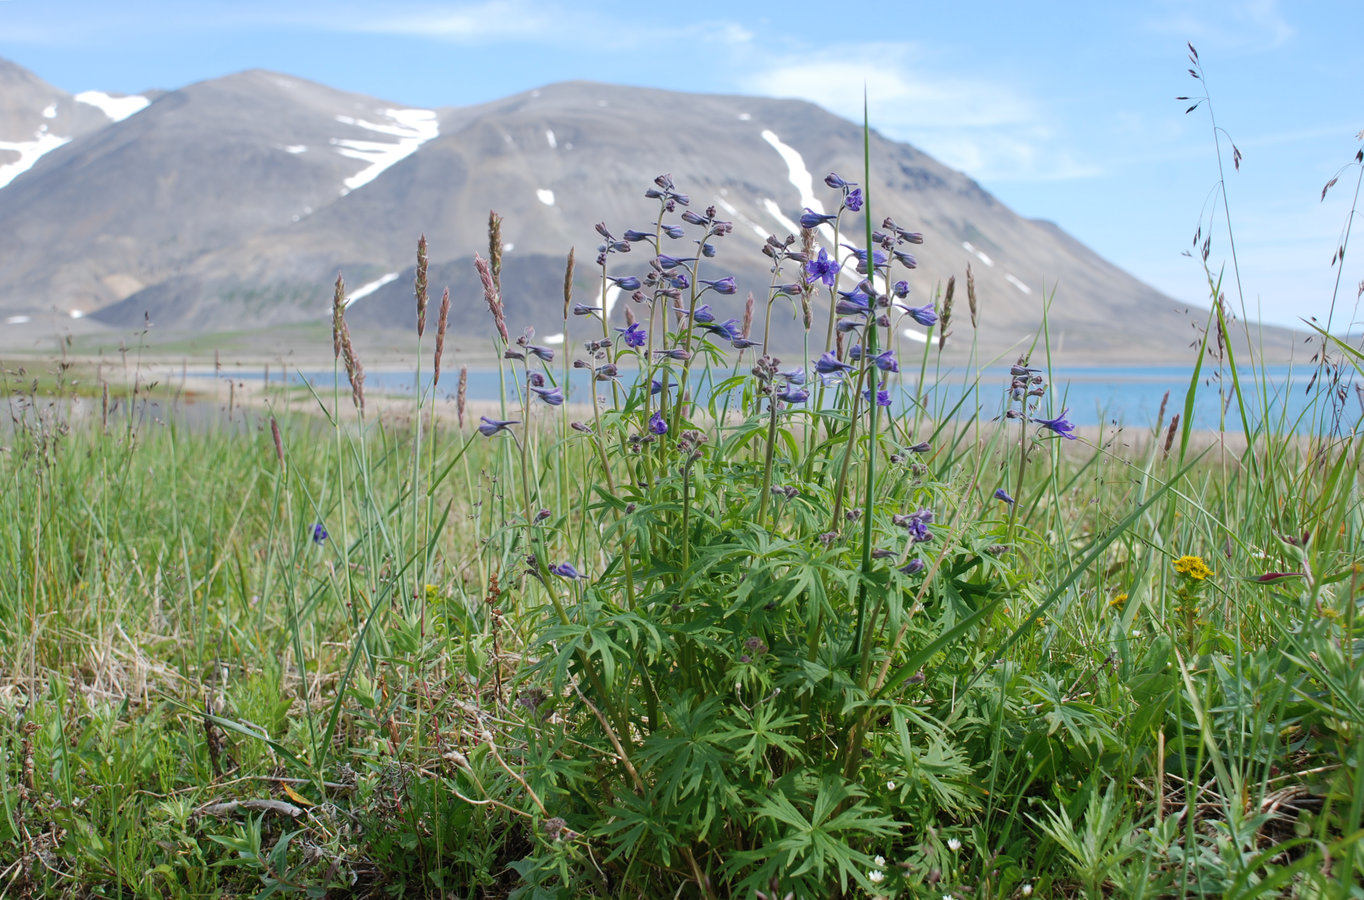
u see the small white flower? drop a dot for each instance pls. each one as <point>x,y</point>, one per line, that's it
<point>876,876</point>
<point>890,785</point>
<point>879,860</point>
<point>1136,632</point>
<point>953,844</point>
<point>1027,890</point>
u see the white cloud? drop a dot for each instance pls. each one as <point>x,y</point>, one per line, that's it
<point>1230,24</point>
<point>491,20</point>
<point>990,128</point>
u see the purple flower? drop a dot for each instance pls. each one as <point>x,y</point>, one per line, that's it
<point>582,309</point>
<point>828,364</point>
<point>743,343</point>
<point>822,268</point>
<point>882,395</point>
<point>833,180</point>
<point>721,285</point>
<point>655,387</point>
<point>793,394</point>
<point>794,376</point>
<point>900,289</point>
<point>656,423</point>
<point>708,250</point>
<point>1002,494</point>
<point>885,361</point>
<point>916,524</point>
<point>921,447</point>
<point>878,258</point>
<point>674,231</point>
<point>634,336</point>
<point>855,352</point>
<point>729,329</point>
<point>676,353</point>
<point>853,201</point>
<point>913,567</point>
<point>319,533</point>
<point>812,219</point>
<point>701,316</point>
<point>625,282</point>
<point>666,262</point>
<point>679,281</point>
<point>633,235</point>
<point>925,315</point>
<point>853,303</point>
<point>907,259</point>
<point>544,353</point>
<point>552,395</point>
<point>566,570</point>
<point>491,427</point>
<point>1061,425</point>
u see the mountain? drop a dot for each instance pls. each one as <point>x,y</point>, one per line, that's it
<point>233,204</point>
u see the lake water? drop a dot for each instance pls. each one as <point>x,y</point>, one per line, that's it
<point>1092,395</point>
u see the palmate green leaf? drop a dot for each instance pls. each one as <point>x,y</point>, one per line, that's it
<point>751,735</point>
<point>815,843</point>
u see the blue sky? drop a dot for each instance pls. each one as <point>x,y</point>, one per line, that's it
<point>1063,110</point>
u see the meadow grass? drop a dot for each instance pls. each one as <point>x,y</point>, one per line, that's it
<point>771,640</point>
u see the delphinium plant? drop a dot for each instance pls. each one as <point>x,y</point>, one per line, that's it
<point>744,592</point>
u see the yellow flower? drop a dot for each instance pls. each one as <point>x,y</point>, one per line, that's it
<point>1193,567</point>
<point>1118,600</point>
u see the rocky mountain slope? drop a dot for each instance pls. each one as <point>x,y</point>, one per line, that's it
<point>233,204</point>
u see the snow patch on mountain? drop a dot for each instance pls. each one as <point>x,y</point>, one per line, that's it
<point>29,153</point>
<point>549,137</point>
<point>410,127</point>
<point>970,248</point>
<point>50,111</point>
<point>366,289</point>
<point>545,196</point>
<point>116,108</point>
<point>803,181</point>
<point>1016,282</point>
<point>920,336</point>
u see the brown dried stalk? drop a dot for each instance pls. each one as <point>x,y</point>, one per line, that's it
<point>461,392</point>
<point>279,442</point>
<point>495,247</point>
<point>421,286</point>
<point>355,372</point>
<point>568,284</point>
<point>492,295</point>
<point>971,293</point>
<point>946,310</point>
<point>441,321</point>
<point>748,315</point>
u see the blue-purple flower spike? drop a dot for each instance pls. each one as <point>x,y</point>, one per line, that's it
<point>829,364</point>
<point>885,361</point>
<point>1002,494</point>
<point>625,282</point>
<point>853,201</point>
<point>566,570</point>
<point>812,219</point>
<point>925,315</point>
<point>634,336</point>
<point>491,427</point>
<point>1061,425</point>
<point>822,268</point>
<point>656,423</point>
<point>724,285</point>
<point>913,567</point>
<point>553,396</point>
<point>793,394</point>
<point>319,533</point>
